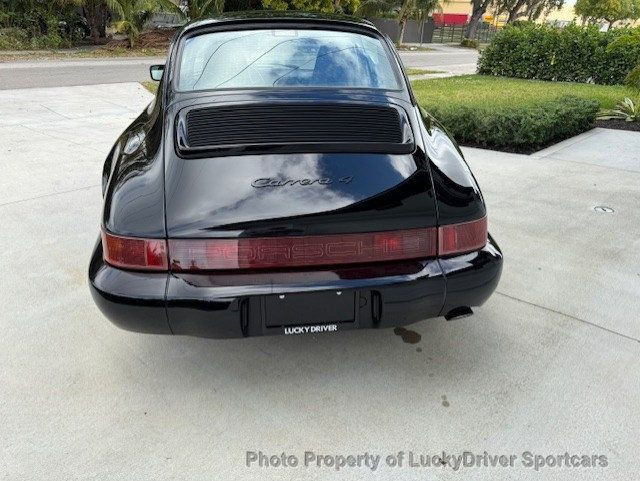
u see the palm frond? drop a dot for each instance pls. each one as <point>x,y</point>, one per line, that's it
<point>371,8</point>
<point>117,7</point>
<point>170,7</point>
<point>205,8</point>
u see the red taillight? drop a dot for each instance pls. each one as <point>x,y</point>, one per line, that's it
<point>460,238</point>
<point>290,252</point>
<point>286,252</point>
<point>135,253</point>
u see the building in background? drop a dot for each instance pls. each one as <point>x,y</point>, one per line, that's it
<point>454,12</point>
<point>458,12</point>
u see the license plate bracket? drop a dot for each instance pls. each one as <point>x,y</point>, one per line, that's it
<point>300,309</point>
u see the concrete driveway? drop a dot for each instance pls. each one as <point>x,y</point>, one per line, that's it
<point>548,365</point>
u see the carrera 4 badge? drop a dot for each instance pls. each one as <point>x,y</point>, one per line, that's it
<point>274,182</point>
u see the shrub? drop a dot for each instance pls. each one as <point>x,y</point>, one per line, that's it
<point>572,54</point>
<point>18,39</point>
<point>38,24</point>
<point>13,39</point>
<point>633,79</point>
<point>469,43</point>
<point>521,129</point>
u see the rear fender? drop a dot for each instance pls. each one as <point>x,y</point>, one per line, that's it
<point>458,196</point>
<point>133,183</point>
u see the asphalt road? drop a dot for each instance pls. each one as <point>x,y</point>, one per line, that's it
<point>443,57</point>
<point>60,73</point>
<point>548,365</point>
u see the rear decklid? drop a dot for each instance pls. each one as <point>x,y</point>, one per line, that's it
<point>296,194</point>
<point>282,166</point>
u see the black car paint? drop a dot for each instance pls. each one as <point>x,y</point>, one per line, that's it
<point>149,191</point>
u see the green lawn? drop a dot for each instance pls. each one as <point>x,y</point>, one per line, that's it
<point>422,71</point>
<point>487,91</point>
<point>511,114</point>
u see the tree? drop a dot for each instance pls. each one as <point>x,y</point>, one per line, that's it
<point>479,8</point>
<point>424,8</point>
<point>97,15</point>
<point>411,9</point>
<point>133,15</point>
<point>198,9</point>
<point>610,11</point>
<point>326,6</point>
<point>377,8</point>
<point>529,9</point>
<point>36,17</point>
<point>404,10</point>
<point>536,8</point>
<point>241,5</point>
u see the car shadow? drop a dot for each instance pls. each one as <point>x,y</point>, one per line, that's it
<point>443,353</point>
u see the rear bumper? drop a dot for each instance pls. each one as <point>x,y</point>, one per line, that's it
<point>233,305</point>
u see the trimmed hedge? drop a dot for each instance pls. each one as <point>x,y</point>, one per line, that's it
<point>571,54</point>
<point>519,129</point>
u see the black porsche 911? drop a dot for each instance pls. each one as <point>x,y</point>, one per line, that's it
<point>285,181</point>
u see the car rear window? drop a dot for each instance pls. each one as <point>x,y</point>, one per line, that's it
<point>285,58</point>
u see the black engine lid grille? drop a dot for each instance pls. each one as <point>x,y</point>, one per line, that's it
<point>295,127</point>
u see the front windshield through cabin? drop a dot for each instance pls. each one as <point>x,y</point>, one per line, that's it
<point>285,58</point>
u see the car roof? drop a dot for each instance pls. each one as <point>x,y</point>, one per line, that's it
<point>272,16</point>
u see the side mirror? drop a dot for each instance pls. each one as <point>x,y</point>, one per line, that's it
<point>156,72</point>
